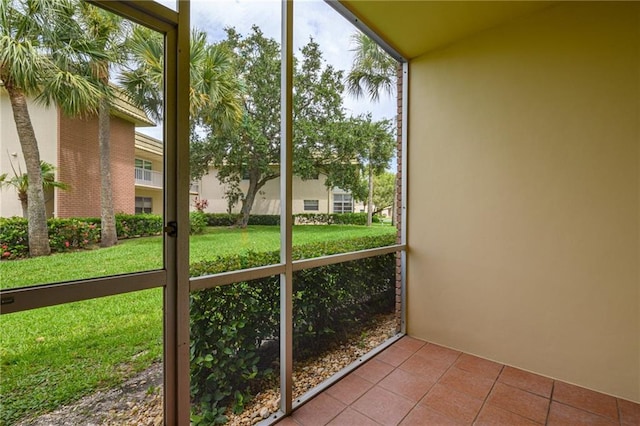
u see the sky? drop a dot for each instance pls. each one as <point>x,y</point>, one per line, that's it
<point>312,18</point>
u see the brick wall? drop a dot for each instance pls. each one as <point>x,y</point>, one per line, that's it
<point>79,166</point>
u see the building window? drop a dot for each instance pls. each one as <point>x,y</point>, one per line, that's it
<point>143,205</point>
<point>342,203</point>
<point>143,170</point>
<point>311,205</point>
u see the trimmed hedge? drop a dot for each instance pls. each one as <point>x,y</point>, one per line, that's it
<point>224,219</point>
<point>80,233</point>
<point>235,328</point>
<point>74,233</point>
<point>331,219</point>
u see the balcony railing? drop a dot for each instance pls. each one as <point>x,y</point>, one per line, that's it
<point>150,178</point>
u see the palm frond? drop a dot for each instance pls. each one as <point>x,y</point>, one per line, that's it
<point>373,71</point>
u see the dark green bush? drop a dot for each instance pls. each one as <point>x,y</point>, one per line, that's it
<point>331,218</point>
<point>313,219</point>
<point>72,234</point>
<point>264,219</point>
<point>221,219</point>
<point>197,223</point>
<point>224,219</point>
<point>137,225</point>
<point>231,326</point>
<point>14,240</point>
<point>64,235</point>
<point>350,218</point>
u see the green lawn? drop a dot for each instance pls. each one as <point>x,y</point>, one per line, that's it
<point>55,355</point>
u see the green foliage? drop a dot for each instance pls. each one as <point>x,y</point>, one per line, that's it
<point>331,218</point>
<point>20,181</point>
<point>233,326</point>
<point>64,235</point>
<point>14,239</point>
<point>224,219</point>
<point>221,219</point>
<point>264,219</point>
<point>384,190</point>
<point>138,225</point>
<point>197,222</point>
<point>350,219</point>
<point>73,234</point>
<point>372,71</point>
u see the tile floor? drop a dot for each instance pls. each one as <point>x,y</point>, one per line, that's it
<point>418,383</point>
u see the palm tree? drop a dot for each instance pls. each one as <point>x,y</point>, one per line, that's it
<point>20,182</point>
<point>214,93</point>
<point>109,32</point>
<point>43,54</point>
<point>373,70</point>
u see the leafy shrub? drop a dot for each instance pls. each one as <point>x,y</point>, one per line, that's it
<point>350,219</point>
<point>331,218</point>
<point>72,234</point>
<point>233,326</point>
<point>313,219</point>
<point>197,222</point>
<point>14,240</point>
<point>221,219</point>
<point>264,219</point>
<point>224,219</point>
<point>64,235</point>
<point>137,225</point>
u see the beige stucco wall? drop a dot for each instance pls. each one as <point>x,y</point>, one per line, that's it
<point>268,199</point>
<point>524,195</point>
<point>44,122</point>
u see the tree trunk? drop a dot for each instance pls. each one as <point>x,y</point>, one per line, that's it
<point>370,197</point>
<point>25,206</point>
<point>247,201</point>
<point>22,196</point>
<point>108,236</point>
<point>37,227</point>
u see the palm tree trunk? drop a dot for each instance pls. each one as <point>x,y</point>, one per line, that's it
<point>25,205</point>
<point>108,236</point>
<point>370,197</point>
<point>37,227</point>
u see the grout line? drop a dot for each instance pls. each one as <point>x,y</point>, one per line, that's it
<point>484,401</point>
<point>553,388</point>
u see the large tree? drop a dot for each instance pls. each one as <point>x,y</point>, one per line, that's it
<point>252,150</point>
<point>374,146</point>
<point>44,54</point>
<point>372,72</point>
<point>110,32</point>
<point>214,92</point>
<point>384,191</point>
